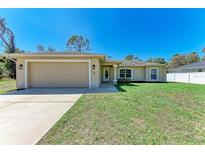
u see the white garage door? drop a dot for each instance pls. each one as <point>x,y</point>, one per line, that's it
<point>58,74</point>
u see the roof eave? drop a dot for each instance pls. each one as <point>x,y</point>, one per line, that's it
<point>156,65</point>
<point>177,69</point>
<point>50,55</point>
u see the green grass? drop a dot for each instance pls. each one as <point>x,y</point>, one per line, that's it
<point>145,113</point>
<point>7,85</point>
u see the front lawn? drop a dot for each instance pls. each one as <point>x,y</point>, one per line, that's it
<point>7,85</point>
<point>144,113</point>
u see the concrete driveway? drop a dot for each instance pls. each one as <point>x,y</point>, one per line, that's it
<point>26,115</point>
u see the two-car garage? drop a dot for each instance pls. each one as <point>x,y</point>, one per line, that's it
<point>57,69</point>
<point>57,74</point>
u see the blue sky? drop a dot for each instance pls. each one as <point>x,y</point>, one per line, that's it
<point>114,32</point>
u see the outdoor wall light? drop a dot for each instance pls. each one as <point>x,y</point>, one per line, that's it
<point>93,66</point>
<point>20,67</point>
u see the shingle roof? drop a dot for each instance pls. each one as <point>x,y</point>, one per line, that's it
<point>137,63</point>
<point>200,64</point>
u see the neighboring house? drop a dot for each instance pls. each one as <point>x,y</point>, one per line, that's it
<point>80,69</point>
<point>194,67</point>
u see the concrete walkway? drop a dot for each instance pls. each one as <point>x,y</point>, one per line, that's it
<point>104,88</point>
<point>27,115</point>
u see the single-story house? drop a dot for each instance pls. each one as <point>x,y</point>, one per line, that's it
<point>80,69</point>
<point>193,67</point>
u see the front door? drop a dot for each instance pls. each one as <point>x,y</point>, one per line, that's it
<point>106,74</point>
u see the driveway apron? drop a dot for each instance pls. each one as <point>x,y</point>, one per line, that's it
<point>27,115</point>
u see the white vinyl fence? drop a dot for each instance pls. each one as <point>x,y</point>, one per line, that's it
<point>194,77</point>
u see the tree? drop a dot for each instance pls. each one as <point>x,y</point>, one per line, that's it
<point>192,58</point>
<point>159,60</point>
<point>132,57</point>
<point>6,36</point>
<point>137,58</point>
<point>17,50</point>
<point>40,48</point>
<point>203,58</point>
<point>108,57</point>
<point>20,51</point>
<point>177,60</point>
<point>183,59</point>
<point>1,69</point>
<point>50,49</point>
<point>6,65</point>
<point>78,43</point>
<point>129,57</point>
<point>150,60</point>
<point>7,41</point>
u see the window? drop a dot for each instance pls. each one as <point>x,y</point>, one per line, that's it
<point>128,73</point>
<point>122,73</point>
<point>153,74</point>
<point>106,74</point>
<point>125,73</point>
<point>200,70</point>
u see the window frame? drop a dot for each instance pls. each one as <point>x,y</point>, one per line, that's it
<point>123,72</point>
<point>131,78</point>
<point>157,74</point>
<point>130,73</point>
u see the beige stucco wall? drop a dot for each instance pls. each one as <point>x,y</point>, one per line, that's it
<point>20,80</point>
<point>111,74</point>
<point>95,74</point>
<point>143,73</point>
<point>137,72</point>
<point>161,73</point>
